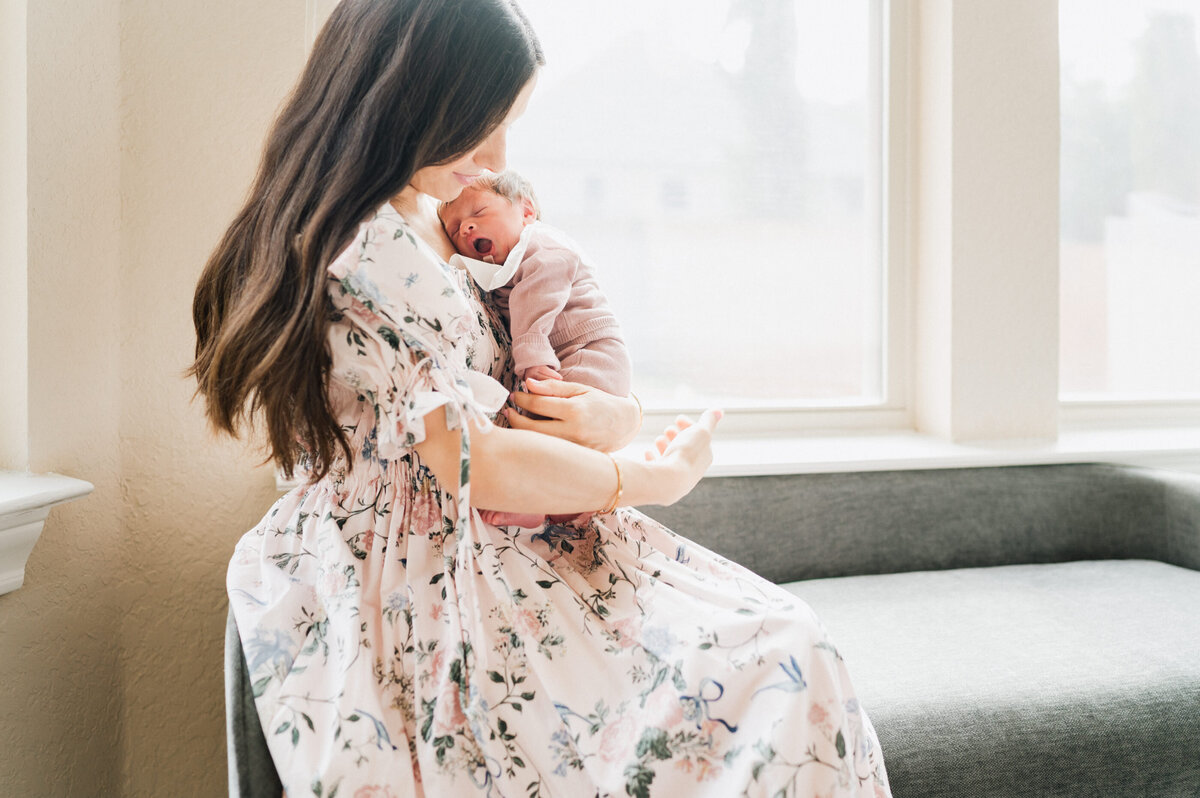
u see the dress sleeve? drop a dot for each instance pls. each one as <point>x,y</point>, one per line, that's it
<point>400,335</point>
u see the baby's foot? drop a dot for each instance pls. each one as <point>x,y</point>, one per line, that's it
<point>524,520</point>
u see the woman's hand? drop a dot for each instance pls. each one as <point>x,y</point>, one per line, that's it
<point>577,413</point>
<point>684,453</point>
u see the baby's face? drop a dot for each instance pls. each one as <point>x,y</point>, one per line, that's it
<point>484,225</point>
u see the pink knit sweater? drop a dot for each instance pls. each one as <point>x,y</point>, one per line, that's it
<point>553,301</point>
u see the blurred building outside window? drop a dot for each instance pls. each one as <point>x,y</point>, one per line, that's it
<point>1130,199</point>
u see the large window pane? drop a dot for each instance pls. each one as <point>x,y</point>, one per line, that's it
<point>720,162</point>
<point>1130,195</point>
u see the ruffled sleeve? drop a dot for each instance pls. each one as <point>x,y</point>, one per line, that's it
<point>401,333</point>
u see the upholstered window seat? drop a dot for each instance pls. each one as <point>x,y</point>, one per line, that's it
<point>1021,631</point>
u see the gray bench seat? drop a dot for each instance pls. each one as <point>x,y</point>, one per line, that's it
<point>1070,679</point>
<point>1012,632</point>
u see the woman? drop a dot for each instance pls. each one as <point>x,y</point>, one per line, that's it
<point>398,645</point>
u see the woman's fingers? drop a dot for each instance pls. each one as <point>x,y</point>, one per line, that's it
<point>545,406</point>
<point>687,435</point>
<point>559,387</point>
<point>709,418</point>
<point>549,398</point>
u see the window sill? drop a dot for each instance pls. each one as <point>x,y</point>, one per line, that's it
<point>25,501</point>
<point>762,455</point>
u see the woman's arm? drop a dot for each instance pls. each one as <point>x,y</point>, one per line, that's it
<point>578,413</point>
<point>519,471</point>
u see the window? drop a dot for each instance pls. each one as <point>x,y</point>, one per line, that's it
<point>939,137</point>
<point>721,162</point>
<point>1130,194</point>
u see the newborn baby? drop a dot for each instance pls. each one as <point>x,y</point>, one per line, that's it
<point>561,325</point>
<point>560,322</point>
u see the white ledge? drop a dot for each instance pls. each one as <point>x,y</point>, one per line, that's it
<point>25,501</point>
<point>1176,447</point>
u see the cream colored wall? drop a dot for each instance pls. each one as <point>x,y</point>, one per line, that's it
<point>145,121</point>
<point>60,680</point>
<point>200,83</point>
<point>14,299</point>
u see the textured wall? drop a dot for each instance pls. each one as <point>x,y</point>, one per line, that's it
<point>14,233</point>
<point>61,685</point>
<point>145,121</point>
<point>200,83</point>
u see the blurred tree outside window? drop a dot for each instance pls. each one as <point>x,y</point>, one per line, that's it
<point>715,160</point>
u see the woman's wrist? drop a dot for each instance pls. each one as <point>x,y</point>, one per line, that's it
<point>658,482</point>
<point>631,410</point>
<point>620,489</point>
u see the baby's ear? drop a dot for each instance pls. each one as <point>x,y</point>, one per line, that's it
<point>528,212</point>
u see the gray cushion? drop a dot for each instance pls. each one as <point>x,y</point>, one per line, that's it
<point>808,526</point>
<point>1074,679</point>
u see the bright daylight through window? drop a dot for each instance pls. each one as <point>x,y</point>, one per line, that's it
<point>720,162</point>
<point>1130,198</point>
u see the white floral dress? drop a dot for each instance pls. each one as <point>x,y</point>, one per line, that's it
<point>400,646</point>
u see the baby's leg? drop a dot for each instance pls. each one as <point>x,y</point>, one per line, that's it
<point>603,363</point>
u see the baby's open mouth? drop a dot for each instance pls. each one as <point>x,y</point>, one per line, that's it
<point>483,245</point>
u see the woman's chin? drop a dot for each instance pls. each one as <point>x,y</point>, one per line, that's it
<point>441,190</point>
<point>448,193</point>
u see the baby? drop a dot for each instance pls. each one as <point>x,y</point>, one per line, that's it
<point>560,322</point>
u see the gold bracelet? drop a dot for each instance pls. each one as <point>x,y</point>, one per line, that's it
<point>641,414</point>
<point>616,499</point>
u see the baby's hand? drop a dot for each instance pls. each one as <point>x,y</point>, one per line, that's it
<point>541,373</point>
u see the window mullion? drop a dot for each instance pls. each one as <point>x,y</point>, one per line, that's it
<point>986,272</point>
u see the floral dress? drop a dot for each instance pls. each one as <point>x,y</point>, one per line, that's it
<point>400,646</point>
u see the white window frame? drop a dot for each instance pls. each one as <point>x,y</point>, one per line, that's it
<point>954,253</point>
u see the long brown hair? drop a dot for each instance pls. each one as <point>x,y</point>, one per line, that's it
<point>391,86</point>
